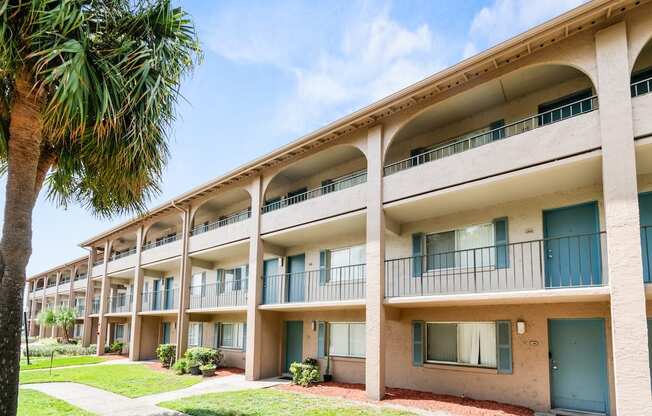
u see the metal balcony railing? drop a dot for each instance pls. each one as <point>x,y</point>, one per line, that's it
<point>456,146</point>
<point>95,306</point>
<point>79,310</point>
<point>231,219</point>
<point>552,263</point>
<point>338,185</point>
<point>323,285</point>
<point>126,253</point>
<point>217,295</point>
<point>161,300</point>
<point>641,87</point>
<point>161,241</point>
<point>120,303</point>
<point>98,262</point>
<point>80,276</point>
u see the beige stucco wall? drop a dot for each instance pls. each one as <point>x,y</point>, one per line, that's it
<point>150,337</point>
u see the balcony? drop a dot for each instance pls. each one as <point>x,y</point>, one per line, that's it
<point>162,300</point>
<point>121,260</point>
<point>229,294</point>
<point>95,306</point>
<point>234,227</point>
<point>79,282</point>
<point>161,248</point>
<point>548,264</point>
<point>79,310</point>
<point>231,219</point>
<point>120,303</point>
<point>641,87</point>
<point>336,284</point>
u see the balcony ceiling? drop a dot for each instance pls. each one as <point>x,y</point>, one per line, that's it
<point>487,95</point>
<point>225,199</point>
<point>229,252</point>
<point>319,162</point>
<point>644,60</point>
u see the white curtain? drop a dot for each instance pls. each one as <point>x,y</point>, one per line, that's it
<point>477,343</point>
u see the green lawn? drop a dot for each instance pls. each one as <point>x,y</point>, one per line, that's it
<point>61,361</point>
<point>33,403</point>
<point>270,402</point>
<point>132,380</point>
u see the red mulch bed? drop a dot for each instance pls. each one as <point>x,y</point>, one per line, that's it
<point>416,399</point>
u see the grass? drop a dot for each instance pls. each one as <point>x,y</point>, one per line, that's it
<point>32,403</point>
<point>270,402</point>
<point>61,361</point>
<point>133,380</point>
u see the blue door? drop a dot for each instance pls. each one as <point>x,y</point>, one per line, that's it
<point>165,335</point>
<point>293,344</point>
<point>645,211</point>
<point>649,343</point>
<point>271,284</point>
<point>572,246</point>
<point>169,293</point>
<point>296,277</point>
<point>156,293</point>
<point>578,372</point>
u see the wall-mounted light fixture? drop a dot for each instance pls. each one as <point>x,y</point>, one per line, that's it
<point>314,325</point>
<point>520,327</point>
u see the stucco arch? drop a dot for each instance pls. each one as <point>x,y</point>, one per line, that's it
<point>484,97</point>
<point>224,198</point>
<point>643,57</point>
<point>174,220</point>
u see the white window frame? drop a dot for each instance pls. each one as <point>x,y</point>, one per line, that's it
<point>238,336</point>
<point>457,363</point>
<point>199,335</point>
<point>490,247</point>
<point>343,272</point>
<point>115,332</point>
<point>330,333</point>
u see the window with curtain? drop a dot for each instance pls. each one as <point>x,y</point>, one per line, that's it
<point>196,283</point>
<point>119,332</point>
<point>346,339</point>
<point>232,335</point>
<point>348,256</point>
<point>466,343</point>
<point>464,247</point>
<point>233,277</point>
<point>194,334</point>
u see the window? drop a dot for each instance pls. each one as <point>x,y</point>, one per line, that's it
<point>119,332</point>
<point>466,343</point>
<point>232,278</point>
<point>465,247</point>
<point>346,339</point>
<point>231,335</point>
<point>349,256</point>
<point>78,331</point>
<point>195,334</point>
<point>197,284</point>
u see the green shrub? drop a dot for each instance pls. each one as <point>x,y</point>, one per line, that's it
<point>203,356</point>
<point>305,374</point>
<point>207,367</point>
<point>166,354</point>
<point>181,366</point>
<point>117,346</point>
<point>47,347</point>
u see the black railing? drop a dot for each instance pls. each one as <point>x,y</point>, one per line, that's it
<point>95,306</point>
<point>460,145</point>
<point>338,185</point>
<point>161,300</point>
<point>79,310</point>
<point>120,303</point>
<point>324,285</point>
<point>552,263</point>
<point>120,254</point>
<point>80,276</point>
<point>231,219</point>
<point>219,295</point>
<point>641,87</point>
<point>161,242</point>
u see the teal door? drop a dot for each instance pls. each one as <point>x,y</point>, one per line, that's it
<point>645,210</point>
<point>165,333</point>
<point>578,373</point>
<point>169,293</point>
<point>572,246</point>
<point>296,277</point>
<point>271,284</point>
<point>649,343</point>
<point>156,293</point>
<point>293,344</point>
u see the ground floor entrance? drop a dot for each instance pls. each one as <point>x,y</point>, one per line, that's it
<point>293,344</point>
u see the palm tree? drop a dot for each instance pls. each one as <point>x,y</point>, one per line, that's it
<point>65,318</point>
<point>47,318</point>
<point>87,93</point>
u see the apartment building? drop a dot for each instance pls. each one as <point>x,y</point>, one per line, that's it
<point>483,232</point>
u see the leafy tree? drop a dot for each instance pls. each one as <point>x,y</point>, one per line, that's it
<point>87,92</point>
<point>47,318</point>
<point>65,319</point>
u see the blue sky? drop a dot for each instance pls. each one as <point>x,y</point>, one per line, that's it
<point>274,71</point>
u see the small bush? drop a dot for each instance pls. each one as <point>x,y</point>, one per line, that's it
<point>207,367</point>
<point>117,346</point>
<point>305,374</point>
<point>166,354</point>
<point>203,356</point>
<point>181,366</point>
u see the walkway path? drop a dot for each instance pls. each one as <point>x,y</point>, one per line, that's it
<point>104,403</point>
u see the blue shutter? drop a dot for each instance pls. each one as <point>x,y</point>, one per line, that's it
<point>321,339</point>
<point>418,329</point>
<point>324,259</point>
<point>504,346</point>
<point>244,334</point>
<point>203,284</point>
<point>501,233</point>
<point>417,253</point>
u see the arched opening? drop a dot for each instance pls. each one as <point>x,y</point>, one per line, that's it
<point>642,72</point>
<point>328,171</point>
<point>164,231</point>
<point>123,246</point>
<point>517,102</point>
<point>224,209</point>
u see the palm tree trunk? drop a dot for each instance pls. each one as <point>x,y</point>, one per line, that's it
<point>24,153</point>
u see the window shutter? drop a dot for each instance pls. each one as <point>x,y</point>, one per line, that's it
<point>498,134</point>
<point>417,253</point>
<point>200,340</point>
<point>220,280</point>
<point>418,329</point>
<point>501,233</point>
<point>245,284</point>
<point>244,335</point>
<point>321,339</point>
<point>324,260</point>
<point>203,283</point>
<point>504,346</point>
<point>218,334</point>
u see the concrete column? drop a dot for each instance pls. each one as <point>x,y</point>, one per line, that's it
<point>54,329</point>
<point>137,306</point>
<point>88,300</point>
<point>41,328</point>
<point>104,299</point>
<point>375,313</point>
<point>184,287</point>
<point>71,292</point>
<point>628,317</point>
<point>32,315</point>
<point>253,360</point>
